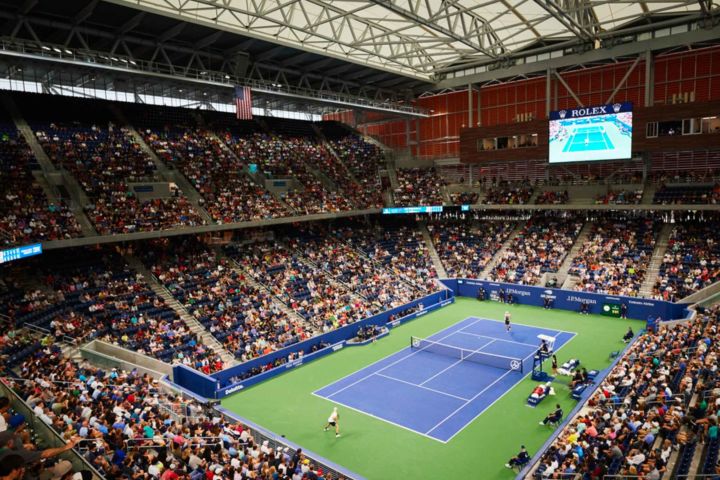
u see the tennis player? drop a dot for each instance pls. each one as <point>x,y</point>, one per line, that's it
<point>508,327</point>
<point>334,422</point>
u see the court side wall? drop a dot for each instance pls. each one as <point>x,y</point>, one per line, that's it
<point>219,385</point>
<point>638,308</point>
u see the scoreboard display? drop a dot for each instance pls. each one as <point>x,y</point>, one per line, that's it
<point>20,252</point>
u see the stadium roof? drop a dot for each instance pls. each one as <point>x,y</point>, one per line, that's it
<point>420,38</point>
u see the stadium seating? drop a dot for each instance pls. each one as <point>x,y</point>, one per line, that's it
<point>419,186</point>
<point>620,197</point>
<point>552,197</point>
<point>26,215</point>
<point>466,247</point>
<point>539,248</point>
<point>651,413</point>
<point>691,262</point>
<point>229,193</point>
<point>687,194</point>
<point>243,317</point>
<point>96,295</point>
<point>615,258</point>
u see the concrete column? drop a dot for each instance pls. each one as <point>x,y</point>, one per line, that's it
<point>649,79</point>
<point>470,106</point>
<point>548,84</point>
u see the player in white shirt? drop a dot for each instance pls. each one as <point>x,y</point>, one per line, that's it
<point>334,421</point>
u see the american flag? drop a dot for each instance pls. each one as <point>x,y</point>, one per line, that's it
<point>243,103</point>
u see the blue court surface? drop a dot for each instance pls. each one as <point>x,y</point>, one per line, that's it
<point>432,393</point>
<point>586,139</point>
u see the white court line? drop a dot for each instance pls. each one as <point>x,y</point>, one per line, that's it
<point>386,366</point>
<point>420,386</point>
<point>499,339</point>
<point>456,363</point>
<point>379,418</point>
<point>501,396</point>
<point>522,324</point>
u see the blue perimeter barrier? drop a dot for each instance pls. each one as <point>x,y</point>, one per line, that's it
<point>218,384</point>
<point>638,308</point>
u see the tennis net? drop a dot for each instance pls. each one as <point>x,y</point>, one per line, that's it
<point>484,358</point>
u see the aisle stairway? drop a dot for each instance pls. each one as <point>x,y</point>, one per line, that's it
<point>498,255</point>
<point>437,263</point>
<point>192,323</point>
<point>661,246</point>
<point>582,237</point>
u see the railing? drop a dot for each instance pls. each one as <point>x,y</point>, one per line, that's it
<point>47,436</point>
<point>44,331</point>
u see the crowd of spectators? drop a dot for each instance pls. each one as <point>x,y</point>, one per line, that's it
<point>307,290</point>
<point>688,194</point>
<point>419,186</point>
<point>244,318</point>
<point>126,425</point>
<point>508,193</point>
<point>464,198</point>
<point>553,197</point>
<point>652,412</point>
<point>229,194</point>
<point>399,249</point>
<point>380,286</point>
<point>616,255</point>
<point>691,262</point>
<point>92,295</point>
<point>26,215</point>
<point>104,160</point>
<point>364,161</point>
<point>465,247</point>
<point>281,156</point>
<point>541,247</point>
<point>620,197</point>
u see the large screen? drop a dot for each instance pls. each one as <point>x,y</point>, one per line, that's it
<point>587,134</point>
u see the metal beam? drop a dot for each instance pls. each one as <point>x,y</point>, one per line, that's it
<point>567,87</point>
<point>85,12</point>
<point>623,80</point>
<point>476,30</point>
<point>171,32</point>
<point>564,17</point>
<point>598,55</point>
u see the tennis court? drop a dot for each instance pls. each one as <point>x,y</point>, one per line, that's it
<point>588,139</point>
<point>437,386</point>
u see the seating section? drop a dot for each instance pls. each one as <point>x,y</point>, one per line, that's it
<point>687,194</point>
<point>363,159</point>
<point>464,198</point>
<point>137,427</point>
<point>244,318</point>
<point>105,159</point>
<point>399,249</point>
<point>466,247</point>
<point>615,258</point>
<point>620,197</point>
<point>691,262</point>
<point>508,193</point>
<point>552,197</point>
<point>651,416</point>
<point>94,294</point>
<point>419,186</point>
<point>281,156</point>
<point>541,247</point>
<point>26,215</point>
<point>229,193</point>
<point>307,290</point>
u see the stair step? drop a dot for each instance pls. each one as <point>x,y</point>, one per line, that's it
<point>437,263</point>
